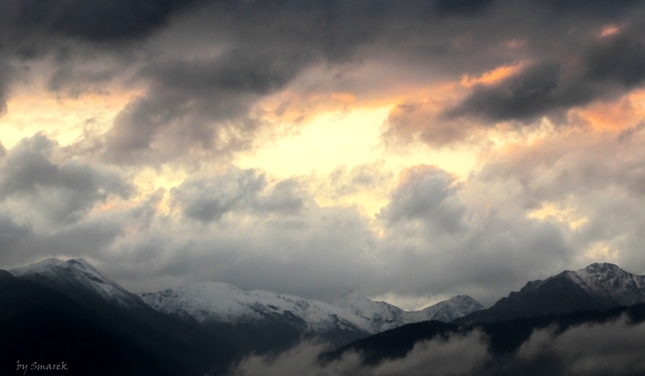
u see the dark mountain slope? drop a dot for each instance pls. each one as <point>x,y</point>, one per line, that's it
<point>40,325</point>
<point>142,336</point>
<point>505,337</point>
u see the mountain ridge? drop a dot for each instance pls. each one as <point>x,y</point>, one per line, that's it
<point>385,316</point>
<point>597,287</point>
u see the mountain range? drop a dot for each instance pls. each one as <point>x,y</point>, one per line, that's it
<point>50,309</point>
<point>598,296</point>
<point>194,329</point>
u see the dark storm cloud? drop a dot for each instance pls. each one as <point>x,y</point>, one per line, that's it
<point>617,60</point>
<point>203,65</point>
<point>98,21</point>
<point>203,104</point>
<point>610,66</point>
<point>531,93</point>
<point>462,7</point>
<point>588,6</point>
<point>63,193</point>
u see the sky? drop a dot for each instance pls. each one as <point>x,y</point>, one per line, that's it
<point>412,150</point>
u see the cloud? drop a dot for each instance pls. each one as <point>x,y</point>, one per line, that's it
<point>588,184</point>
<point>202,67</point>
<point>611,348</point>
<point>260,233</point>
<point>608,66</point>
<point>423,121</point>
<point>98,21</point>
<point>208,199</point>
<point>456,355</point>
<point>24,244</point>
<point>7,75</point>
<point>526,95</point>
<point>61,192</point>
<point>462,7</point>
<point>446,237</point>
<point>426,193</point>
<point>599,7</point>
<point>198,106</point>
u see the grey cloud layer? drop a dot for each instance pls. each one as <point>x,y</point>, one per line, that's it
<point>456,356</point>
<point>445,237</point>
<point>63,193</point>
<point>435,237</point>
<point>208,199</point>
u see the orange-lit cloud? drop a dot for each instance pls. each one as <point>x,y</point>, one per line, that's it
<point>626,112</point>
<point>609,30</point>
<point>493,76</point>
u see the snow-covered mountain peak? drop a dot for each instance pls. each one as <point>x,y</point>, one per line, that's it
<point>382,315</point>
<point>601,268</point>
<point>609,281</point>
<point>463,301</point>
<point>599,273</point>
<point>77,275</point>
<point>459,299</point>
<point>36,266</point>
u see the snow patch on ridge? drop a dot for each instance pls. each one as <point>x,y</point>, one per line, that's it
<point>384,316</point>
<point>221,302</point>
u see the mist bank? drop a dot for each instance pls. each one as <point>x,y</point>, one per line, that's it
<point>582,343</point>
